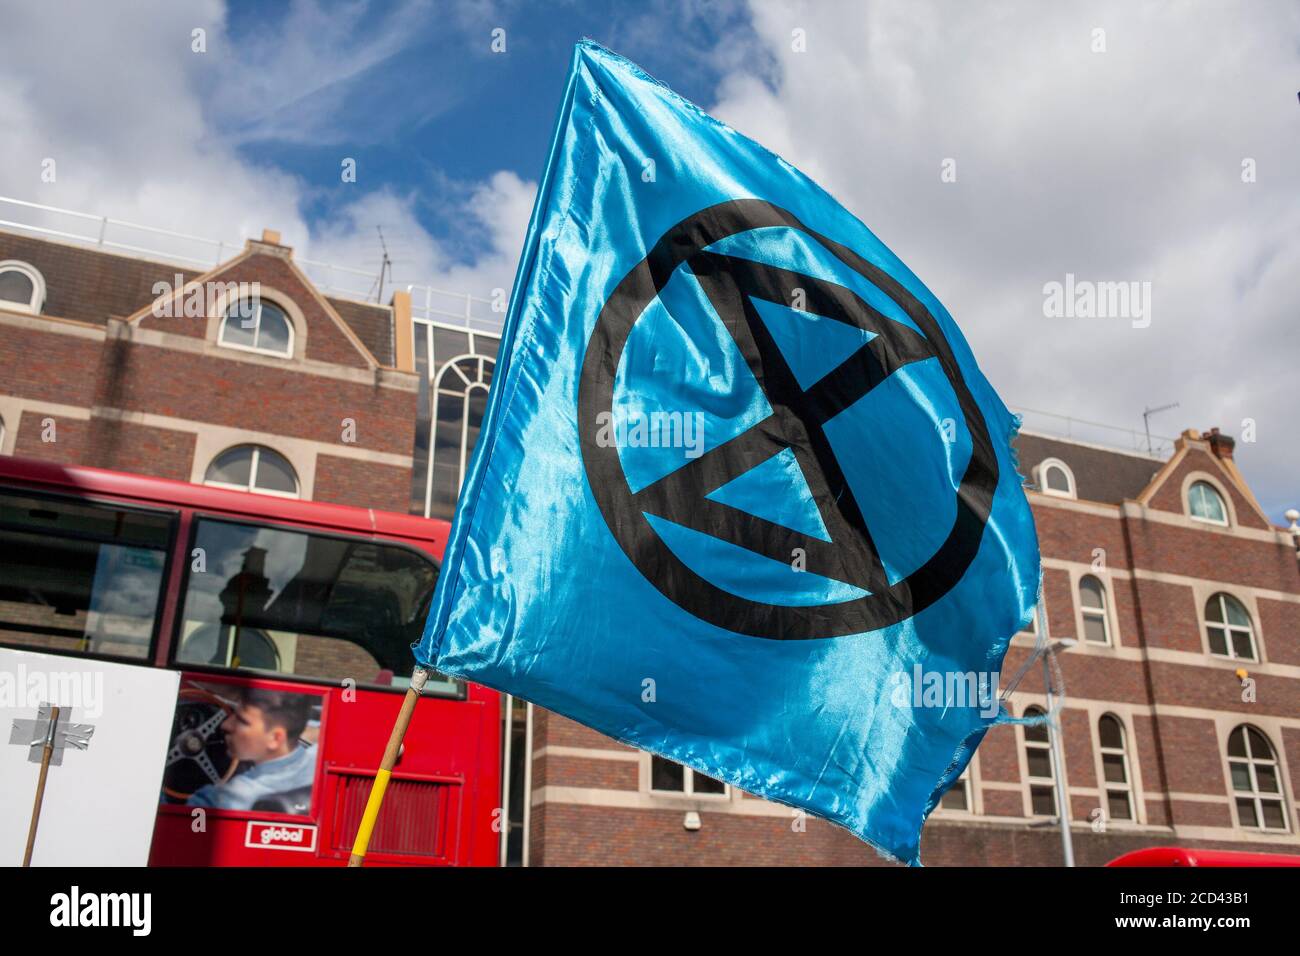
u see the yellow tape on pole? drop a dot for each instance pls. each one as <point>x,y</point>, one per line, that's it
<point>391,752</point>
<point>368,820</point>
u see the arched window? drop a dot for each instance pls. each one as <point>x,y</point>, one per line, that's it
<point>1114,768</point>
<point>459,401</point>
<point>1228,628</point>
<point>1204,503</point>
<point>22,287</point>
<point>1038,761</point>
<point>253,468</point>
<point>1055,478</point>
<point>256,326</point>
<point>1256,782</point>
<point>1092,604</point>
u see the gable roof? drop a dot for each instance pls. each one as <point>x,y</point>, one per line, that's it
<point>92,285</point>
<point>1100,474</point>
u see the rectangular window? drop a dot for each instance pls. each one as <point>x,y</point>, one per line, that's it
<point>667,776</point>
<point>958,795</point>
<point>308,605</point>
<point>1118,805</point>
<point>80,576</point>
<point>1043,801</point>
<point>1039,760</point>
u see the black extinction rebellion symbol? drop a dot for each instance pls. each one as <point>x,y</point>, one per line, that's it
<point>795,423</point>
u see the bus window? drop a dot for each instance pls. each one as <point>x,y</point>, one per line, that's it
<point>303,604</point>
<point>80,576</point>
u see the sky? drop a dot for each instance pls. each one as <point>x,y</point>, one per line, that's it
<point>995,147</point>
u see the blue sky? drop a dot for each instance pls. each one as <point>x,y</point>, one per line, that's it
<point>434,109</point>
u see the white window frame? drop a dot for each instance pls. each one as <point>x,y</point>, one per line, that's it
<point>257,329</point>
<point>1103,612</point>
<point>1031,781</point>
<point>1042,468</point>
<point>969,779</point>
<point>1107,786</point>
<point>1228,629</point>
<point>252,474</point>
<point>1200,478</point>
<point>37,302</point>
<point>1032,628</point>
<point>688,783</point>
<point>1255,793</point>
<point>483,363</point>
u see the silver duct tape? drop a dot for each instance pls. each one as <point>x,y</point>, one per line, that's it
<point>34,733</point>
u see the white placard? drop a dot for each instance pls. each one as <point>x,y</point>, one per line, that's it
<point>100,803</point>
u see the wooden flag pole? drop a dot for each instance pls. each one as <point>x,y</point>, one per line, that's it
<point>418,678</point>
<point>46,754</point>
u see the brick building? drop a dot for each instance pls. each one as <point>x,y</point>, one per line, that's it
<point>1164,570</point>
<point>244,376</point>
<point>1173,584</point>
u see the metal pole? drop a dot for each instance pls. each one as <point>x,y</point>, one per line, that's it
<point>528,779</point>
<point>505,777</point>
<point>1054,735</point>
<point>1054,739</point>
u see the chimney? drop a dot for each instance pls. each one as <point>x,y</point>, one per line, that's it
<point>1220,444</point>
<point>269,245</point>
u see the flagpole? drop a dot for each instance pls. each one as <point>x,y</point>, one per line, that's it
<point>46,753</point>
<point>418,678</point>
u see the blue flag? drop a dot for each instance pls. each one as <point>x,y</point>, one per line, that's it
<point>742,496</point>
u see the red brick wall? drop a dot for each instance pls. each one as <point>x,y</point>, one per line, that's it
<point>72,439</point>
<point>610,836</point>
<point>1170,495</point>
<point>326,342</point>
<point>1169,611</point>
<point>1204,552</point>
<point>1279,624</point>
<point>258,398</point>
<point>133,377</point>
<point>349,481</point>
<point>127,446</point>
<point>1073,536</point>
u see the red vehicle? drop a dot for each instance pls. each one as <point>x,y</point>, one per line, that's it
<point>296,614</point>
<point>1177,856</point>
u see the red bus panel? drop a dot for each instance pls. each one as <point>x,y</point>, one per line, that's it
<point>304,592</point>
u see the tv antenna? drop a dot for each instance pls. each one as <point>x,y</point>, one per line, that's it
<point>385,267</point>
<point>1146,420</point>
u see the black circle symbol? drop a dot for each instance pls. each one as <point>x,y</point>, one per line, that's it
<point>795,423</point>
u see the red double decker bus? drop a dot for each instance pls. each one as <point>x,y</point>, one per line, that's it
<point>296,614</point>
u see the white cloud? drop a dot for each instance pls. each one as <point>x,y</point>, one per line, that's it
<point>143,129</point>
<point>496,212</point>
<point>1116,166</point>
<point>1123,165</point>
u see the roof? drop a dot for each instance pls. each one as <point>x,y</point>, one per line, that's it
<point>87,284</point>
<point>1100,474</point>
<point>372,323</point>
<point>91,285</point>
<point>86,481</point>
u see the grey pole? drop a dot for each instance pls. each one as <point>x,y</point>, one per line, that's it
<point>1054,738</point>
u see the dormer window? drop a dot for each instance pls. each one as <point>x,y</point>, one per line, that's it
<point>1055,478</point>
<point>22,288</point>
<point>256,325</point>
<point>1204,503</point>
